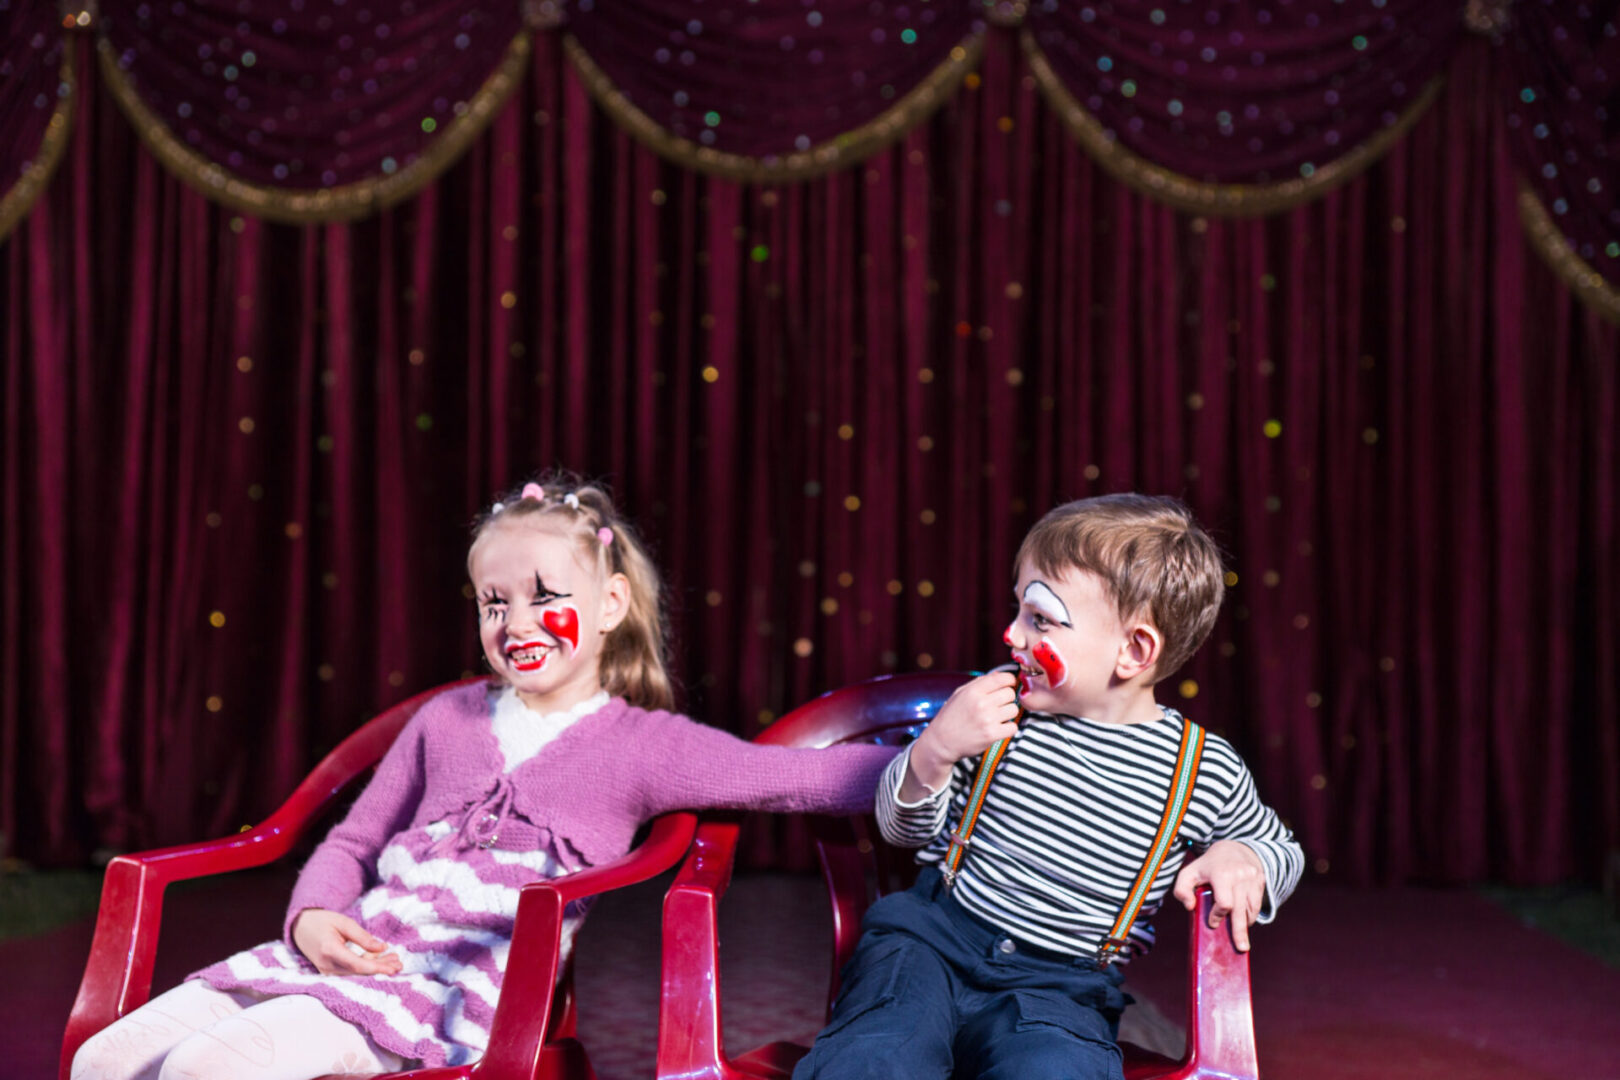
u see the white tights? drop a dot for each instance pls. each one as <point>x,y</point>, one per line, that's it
<point>195,1032</point>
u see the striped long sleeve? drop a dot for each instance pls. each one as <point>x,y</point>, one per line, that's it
<point>1068,822</point>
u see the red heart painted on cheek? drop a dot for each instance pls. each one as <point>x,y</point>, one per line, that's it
<point>1057,672</point>
<point>562,624</point>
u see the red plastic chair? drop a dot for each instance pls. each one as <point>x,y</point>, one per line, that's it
<point>532,1035</point>
<point>1220,1026</point>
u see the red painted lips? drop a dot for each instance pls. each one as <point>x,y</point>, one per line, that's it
<point>562,624</point>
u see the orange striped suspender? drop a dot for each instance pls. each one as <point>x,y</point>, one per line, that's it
<point>970,813</point>
<point>1175,808</point>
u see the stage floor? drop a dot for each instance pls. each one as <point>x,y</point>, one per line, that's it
<point>1348,984</point>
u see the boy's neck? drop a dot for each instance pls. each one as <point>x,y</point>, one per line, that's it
<point>1130,703</point>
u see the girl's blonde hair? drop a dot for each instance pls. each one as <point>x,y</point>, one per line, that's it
<point>634,662</point>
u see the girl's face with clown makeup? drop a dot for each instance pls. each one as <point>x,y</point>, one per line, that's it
<point>543,611</point>
<point>1066,640</point>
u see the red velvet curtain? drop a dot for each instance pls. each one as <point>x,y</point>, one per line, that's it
<point>240,458</point>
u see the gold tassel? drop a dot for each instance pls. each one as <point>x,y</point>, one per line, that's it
<point>1200,196</point>
<point>301,206</point>
<point>837,153</point>
<point>16,202</point>
<point>1583,280</point>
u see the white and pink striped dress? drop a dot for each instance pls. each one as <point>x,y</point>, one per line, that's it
<point>445,903</point>
<point>479,796</point>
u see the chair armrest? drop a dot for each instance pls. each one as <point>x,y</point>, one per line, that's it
<point>1220,1013</point>
<point>118,974</point>
<point>523,1013</point>
<point>689,1001</point>
<point>707,869</point>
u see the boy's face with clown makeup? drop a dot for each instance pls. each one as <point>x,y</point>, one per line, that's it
<point>1066,640</point>
<point>542,612</point>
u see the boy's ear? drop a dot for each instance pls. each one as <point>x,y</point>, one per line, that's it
<point>1140,651</point>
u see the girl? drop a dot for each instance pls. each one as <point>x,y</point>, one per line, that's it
<point>396,938</point>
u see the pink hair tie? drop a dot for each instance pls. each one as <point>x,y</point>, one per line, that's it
<point>605,535</point>
<point>533,491</point>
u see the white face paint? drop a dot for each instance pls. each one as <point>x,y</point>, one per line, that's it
<point>1038,596</point>
<point>543,610</point>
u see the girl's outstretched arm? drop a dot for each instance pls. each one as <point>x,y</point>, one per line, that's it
<point>699,766</point>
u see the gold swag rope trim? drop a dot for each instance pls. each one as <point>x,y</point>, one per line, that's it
<point>16,202</point>
<point>344,202</point>
<point>1200,196</point>
<point>839,152</point>
<point>1580,276</point>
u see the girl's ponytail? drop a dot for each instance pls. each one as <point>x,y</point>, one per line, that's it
<point>634,657</point>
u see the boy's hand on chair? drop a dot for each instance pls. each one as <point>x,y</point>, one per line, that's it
<point>976,715</point>
<point>1237,878</point>
<point>330,940</point>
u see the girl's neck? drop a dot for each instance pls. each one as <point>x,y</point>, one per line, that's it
<point>563,698</point>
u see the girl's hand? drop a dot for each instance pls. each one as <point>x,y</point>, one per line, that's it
<point>1234,873</point>
<point>324,937</point>
<point>973,718</point>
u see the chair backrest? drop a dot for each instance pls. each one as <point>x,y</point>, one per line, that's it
<point>890,709</point>
<point>118,973</point>
<point>354,756</point>
<point>856,864</point>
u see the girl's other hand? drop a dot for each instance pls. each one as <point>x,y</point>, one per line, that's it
<point>324,937</point>
<point>976,715</point>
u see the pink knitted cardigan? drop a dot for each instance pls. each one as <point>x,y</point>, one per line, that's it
<point>588,789</point>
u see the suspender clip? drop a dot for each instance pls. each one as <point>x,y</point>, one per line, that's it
<point>1108,949</point>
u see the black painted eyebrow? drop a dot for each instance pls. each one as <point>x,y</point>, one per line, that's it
<point>541,589</point>
<point>1067,620</point>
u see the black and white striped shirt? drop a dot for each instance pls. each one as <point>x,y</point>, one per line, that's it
<point>1068,821</point>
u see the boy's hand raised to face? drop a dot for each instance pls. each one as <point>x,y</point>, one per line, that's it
<point>973,718</point>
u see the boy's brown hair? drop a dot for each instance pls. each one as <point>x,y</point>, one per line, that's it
<point>1152,556</point>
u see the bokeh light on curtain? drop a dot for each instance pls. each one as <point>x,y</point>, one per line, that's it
<point>36,103</point>
<point>1246,93</point>
<point>241,456</point>
<point>1560,88</point>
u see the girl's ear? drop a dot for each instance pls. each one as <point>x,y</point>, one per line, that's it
<point>615,601</point>
<point>1141,650</point>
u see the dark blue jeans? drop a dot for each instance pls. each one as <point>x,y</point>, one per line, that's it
<point>933,992</point>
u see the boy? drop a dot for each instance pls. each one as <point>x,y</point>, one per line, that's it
<point>1003,961</point>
